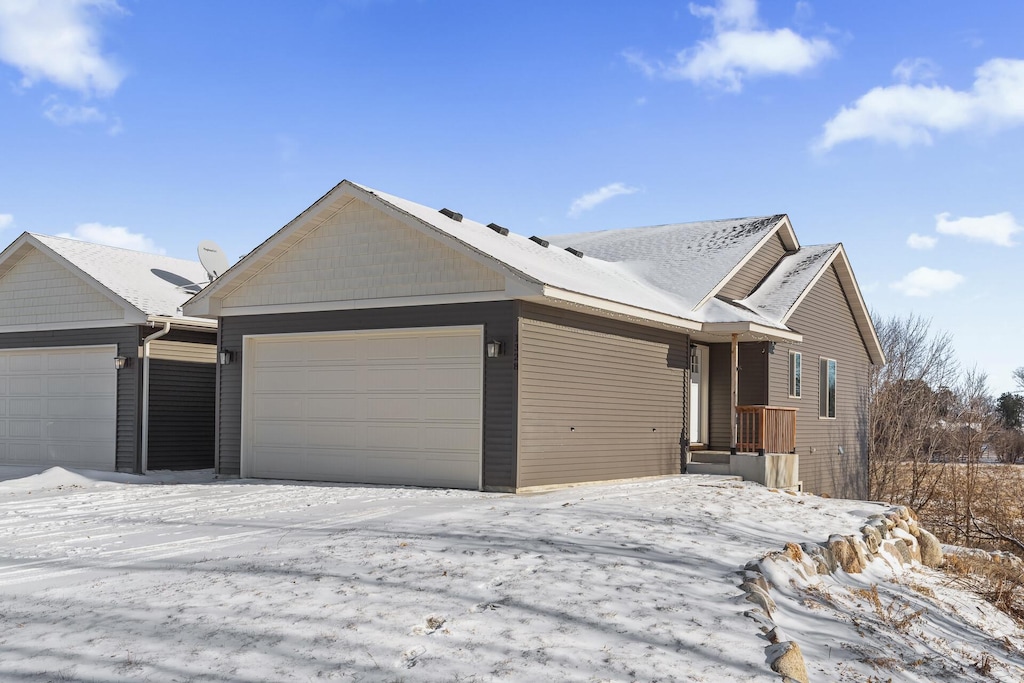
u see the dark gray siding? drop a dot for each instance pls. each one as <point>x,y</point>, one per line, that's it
<point>181,403</point>
<point>719,397</point>
<point>826,322</point>
<point>598,399</point>
<point>754,270</point>
<point>498,319</point>
<point>128,380</point>
<point>753,375</point>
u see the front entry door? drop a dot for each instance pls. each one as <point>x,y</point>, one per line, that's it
<point>698,394</point>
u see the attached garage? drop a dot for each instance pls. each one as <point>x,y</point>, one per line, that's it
<point>58,406</point>
<point>366,406</point>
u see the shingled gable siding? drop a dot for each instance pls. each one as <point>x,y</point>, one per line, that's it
<point>498,319</point>
<point>182,400</point>
<point>362,253</point>
<point>754,270</point>
<point>599,399</point>
<point>128,379</point>
<point>826,322</point>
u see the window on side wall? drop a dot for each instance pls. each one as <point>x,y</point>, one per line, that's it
<point>827,389</point>
<point>794,374</point>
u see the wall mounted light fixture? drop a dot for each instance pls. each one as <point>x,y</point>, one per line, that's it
<point>225,357</point>
<point>495,349</point>
<point>122,362</point>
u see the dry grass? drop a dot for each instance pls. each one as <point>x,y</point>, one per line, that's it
<point>1000,583</point>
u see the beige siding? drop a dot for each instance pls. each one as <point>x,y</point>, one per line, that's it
<point>362,253</point>
<point>754,270</point>
<point>826,322</point>
<point>598,400</point>
<point>37,290</point>
<point>185,352</point>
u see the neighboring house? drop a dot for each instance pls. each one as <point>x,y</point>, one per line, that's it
<point>79,384</point>
<point>376,340</point>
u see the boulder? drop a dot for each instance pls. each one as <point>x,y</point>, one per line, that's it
<point>931,549</point>
<point>788,662</point>
<point>847,555</point>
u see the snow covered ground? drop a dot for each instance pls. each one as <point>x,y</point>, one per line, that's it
<point>177,577</point>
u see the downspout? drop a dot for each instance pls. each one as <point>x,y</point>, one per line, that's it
<point>145,391</point>
<point>734,380</point>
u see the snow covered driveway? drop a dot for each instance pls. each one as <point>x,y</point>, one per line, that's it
<point>186,579</point>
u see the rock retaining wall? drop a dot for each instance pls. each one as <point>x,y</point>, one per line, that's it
<point>894,536</point>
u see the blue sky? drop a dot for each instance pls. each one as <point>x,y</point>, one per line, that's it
<point>895,128</point>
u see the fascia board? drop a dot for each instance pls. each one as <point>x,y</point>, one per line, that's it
<point>594,302</point>
<point>746,327</point>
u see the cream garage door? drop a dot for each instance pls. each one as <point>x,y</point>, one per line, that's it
<point>381,407</point>
<point>58,407</point>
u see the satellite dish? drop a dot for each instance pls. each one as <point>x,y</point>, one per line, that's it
<point>213,259</point>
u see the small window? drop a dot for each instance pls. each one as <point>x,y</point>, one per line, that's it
<point>827,389</point>
<point>794,374</point>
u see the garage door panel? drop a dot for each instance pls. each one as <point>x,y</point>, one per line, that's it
<point>394,348</point>
<point>26,407</point>
<point>366,407</point>
<point>459,378</point>
<point>450,407</point>
<point>401,378</point>
<point>334,407</point>
<point>80,407</point>
<point>446,346</point>
<point>329,379</point>
<point>24,429</point>
<point>332,351</point>
<point>26,386</point>
<point>66,385</point>
<point>26,362</point>
<point>398,408</point>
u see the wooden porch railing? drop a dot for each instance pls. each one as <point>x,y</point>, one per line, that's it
<point>765,429</point>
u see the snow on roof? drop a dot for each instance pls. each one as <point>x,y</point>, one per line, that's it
<point>655,273</point>
<point>687,259</point>
<point>154,284</point>
<point>785,285</point>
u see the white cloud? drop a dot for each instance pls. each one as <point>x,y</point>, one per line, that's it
<point>924,282</point>
<point>916,241</point>
<point>908,114</point>
<point>6,221</point>
<point>113,236</point>
<point>74,114</point>
<point>916,70</point>
<point>738,49</point>
<point>59,41</point>
<point>997,229</point>
<point>599,196</point>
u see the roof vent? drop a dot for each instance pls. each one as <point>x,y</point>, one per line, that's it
<point>497,228</point>
<point>454,215</point>
<point>539,241</point>
<point>575,252</point>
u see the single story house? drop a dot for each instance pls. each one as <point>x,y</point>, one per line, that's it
<point>99,369</point>
<point>377,340</point>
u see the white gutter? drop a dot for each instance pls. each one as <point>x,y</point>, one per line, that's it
<point>145,391</point>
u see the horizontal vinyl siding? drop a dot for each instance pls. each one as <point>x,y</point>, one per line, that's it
<point>182,404</point>
<point>127,379</point>
<point>754,270</point>
<point>598,399</point>
<point>499,374</point>
<point>829,331</point>
<point>753,374</point>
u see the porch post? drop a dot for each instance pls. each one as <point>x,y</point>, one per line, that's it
<point>734,360</point>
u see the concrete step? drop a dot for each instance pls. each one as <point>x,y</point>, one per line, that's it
<point>708,468</point>
<point>710,457</point>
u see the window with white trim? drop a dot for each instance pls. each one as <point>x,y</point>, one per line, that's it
<point>794,374</point>
<point>827,389</point>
